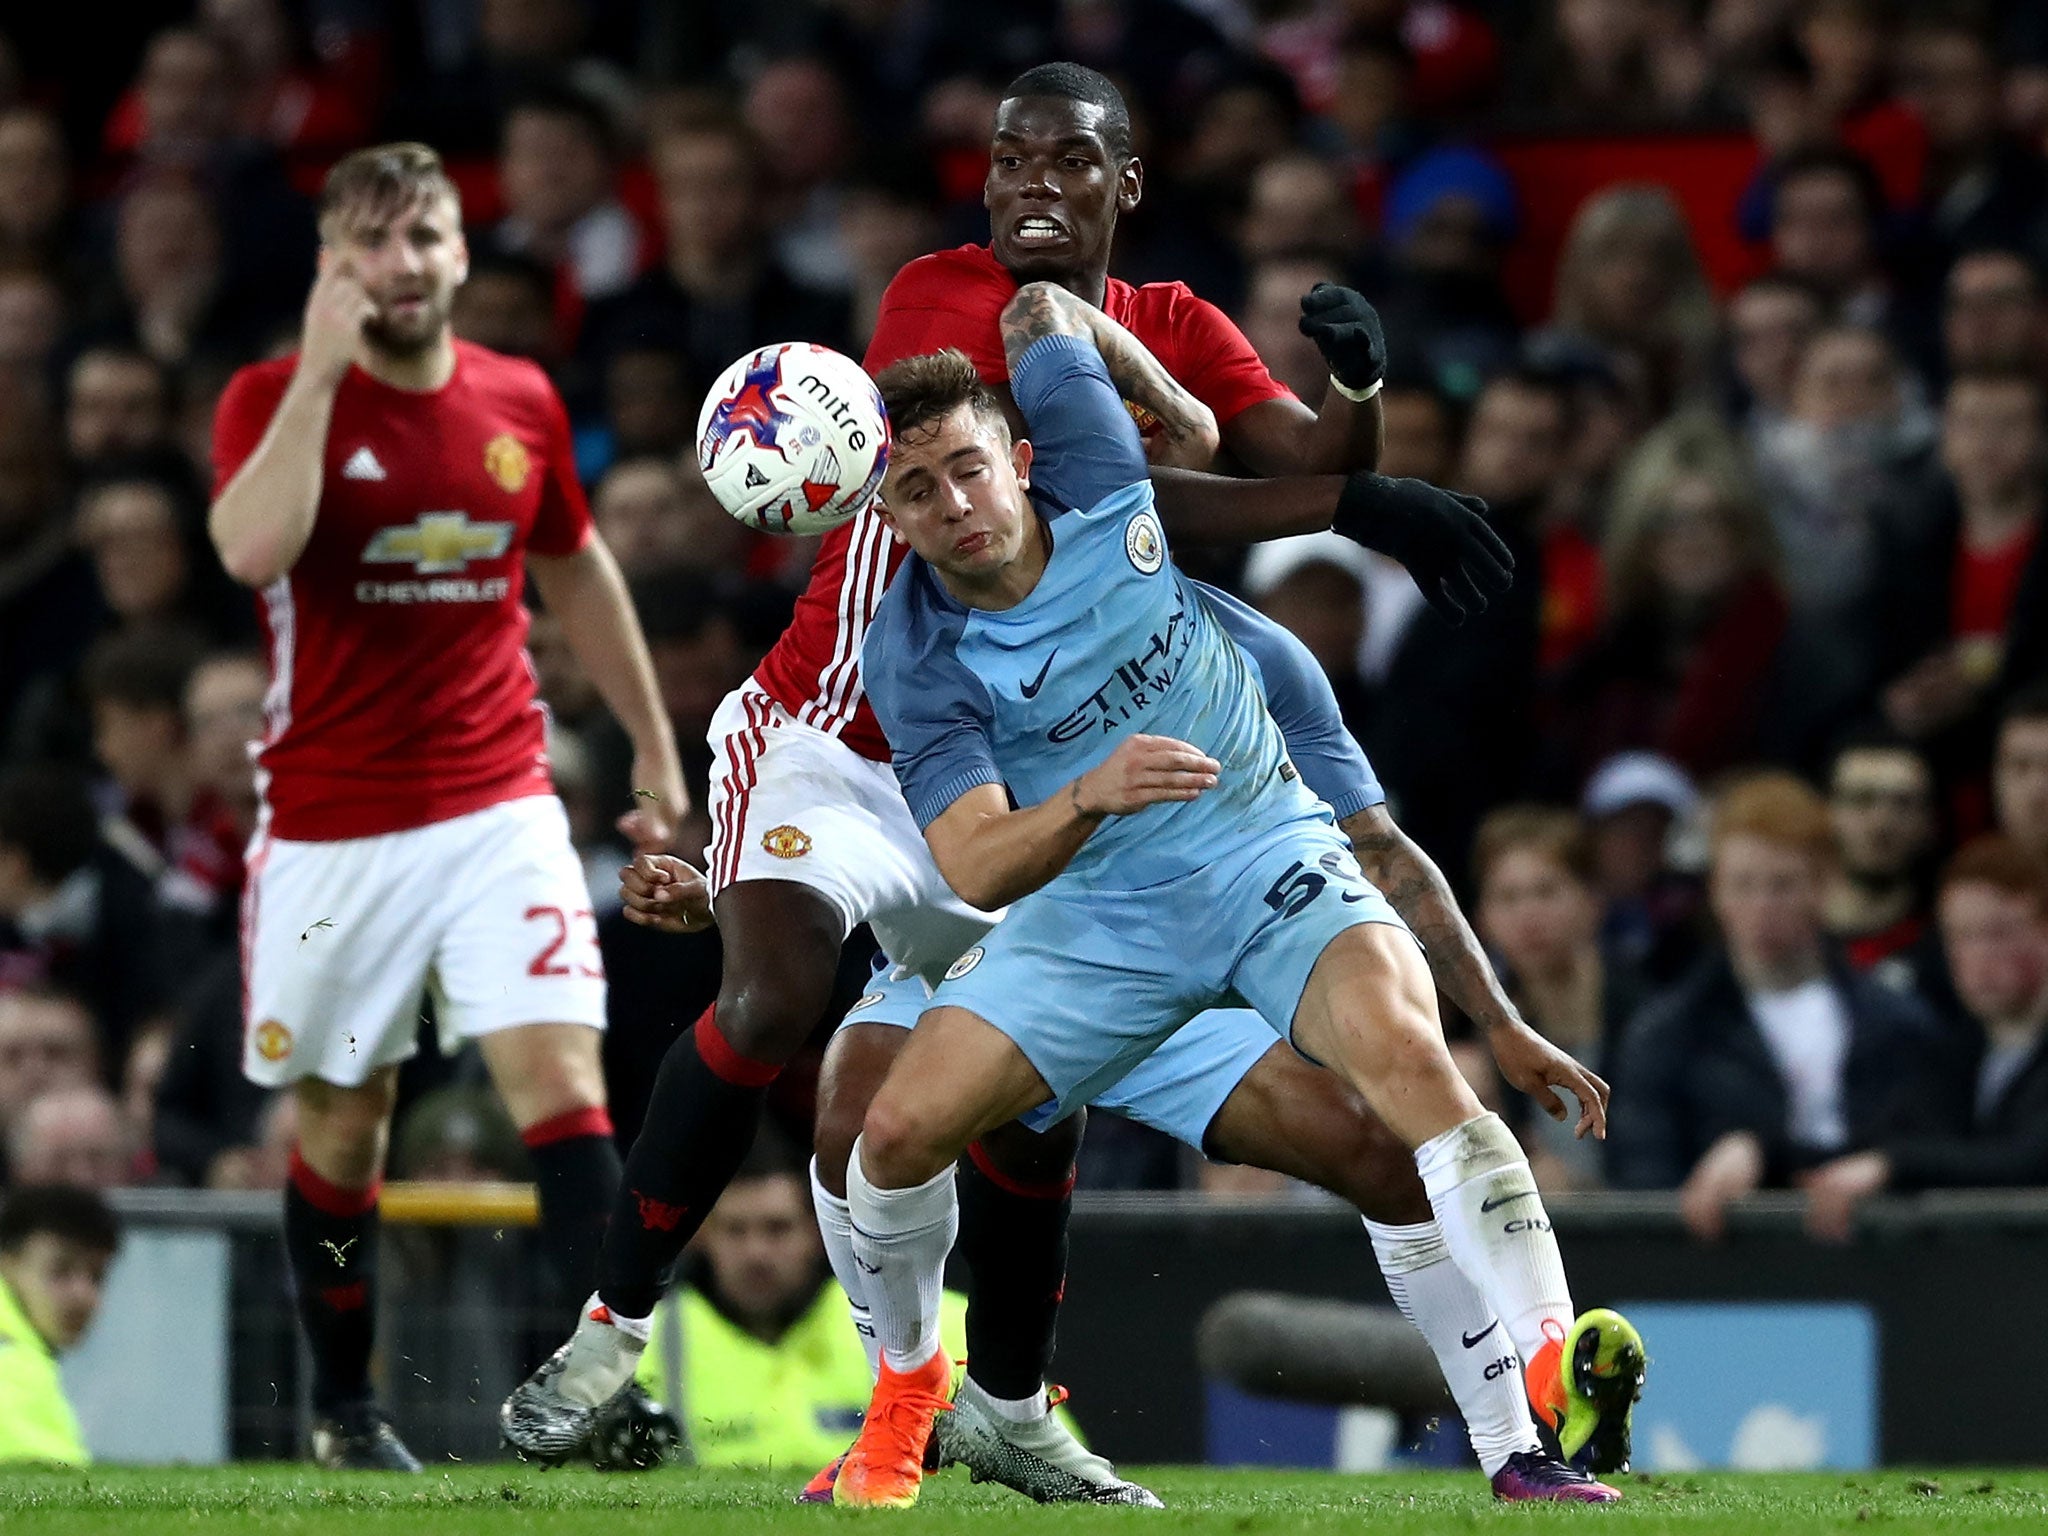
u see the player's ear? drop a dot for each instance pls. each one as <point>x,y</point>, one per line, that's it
<point>1020,461</point>
<point>1130,184</point>
<point>461,257</point>
<point>880,508</point>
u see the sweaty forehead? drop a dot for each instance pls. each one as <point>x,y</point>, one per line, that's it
<point>1042,118</point>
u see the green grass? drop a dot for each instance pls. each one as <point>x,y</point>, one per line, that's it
<point>501,1500</point>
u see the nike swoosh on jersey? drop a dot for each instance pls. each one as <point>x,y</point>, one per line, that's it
<point>1472,1339</point>
<point>1494,1205</point>
<point>1030,689</point>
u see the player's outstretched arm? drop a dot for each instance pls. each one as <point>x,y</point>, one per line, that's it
<point>1188,435</point>
<point>1416,889</point>
<point>588,595</point>
<point>263,517</point>
<point>1459,563</point>
<point>1283,436</point>
<point>992,855</point>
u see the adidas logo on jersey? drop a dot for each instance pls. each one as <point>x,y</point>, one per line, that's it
<point>362,465</point>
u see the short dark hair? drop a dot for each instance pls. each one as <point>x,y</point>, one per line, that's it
<point>1077,82</point>
<point>1832,160</point>
<point>386,178</point>
<point>560,99</point>
<point>77,1215</point>
<point>919,391</point>
<point>144,668</point>
<point>47,812</point>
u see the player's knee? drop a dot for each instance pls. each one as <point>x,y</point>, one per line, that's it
<point>900,1147</point>
<point>341,1131</point>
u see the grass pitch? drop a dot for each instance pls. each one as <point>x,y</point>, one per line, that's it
<point>501,1500</point>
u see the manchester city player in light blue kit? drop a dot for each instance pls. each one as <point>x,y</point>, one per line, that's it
<point>1078,736</point>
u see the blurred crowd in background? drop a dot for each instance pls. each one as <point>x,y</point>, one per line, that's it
<point>1733,310</point>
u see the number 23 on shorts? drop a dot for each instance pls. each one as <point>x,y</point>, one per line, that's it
<point>559,955</point>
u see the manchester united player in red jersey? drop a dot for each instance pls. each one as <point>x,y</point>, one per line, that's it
<point>811,832</point>
<point>386,489</point>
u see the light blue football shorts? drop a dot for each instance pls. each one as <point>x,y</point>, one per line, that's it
<point>1090,984</point>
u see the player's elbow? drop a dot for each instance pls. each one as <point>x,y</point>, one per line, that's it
<point>973,885</point>
<point>1036,310</point>
<point>249,561</point>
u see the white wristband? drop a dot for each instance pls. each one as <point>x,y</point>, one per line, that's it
<point>1356,396</point>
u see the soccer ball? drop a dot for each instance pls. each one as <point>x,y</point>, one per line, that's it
<point>793,439</point>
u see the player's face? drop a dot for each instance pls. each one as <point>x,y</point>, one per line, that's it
<point>1053,190</point>
<point>955,491</point>
<point>59,1283</point>
<point>410,259</point>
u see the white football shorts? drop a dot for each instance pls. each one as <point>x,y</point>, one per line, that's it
<point>341,941</point>
<point>789,802</point>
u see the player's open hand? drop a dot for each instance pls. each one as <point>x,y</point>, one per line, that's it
<point>660,802</point>
<point>1443,539</point>
<point>1539,1068</point>
<point>1142,771</point>
<point>663,892</point>
<point>336,312</point>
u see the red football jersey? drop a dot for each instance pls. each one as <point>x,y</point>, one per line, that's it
<point>955,299</point>
<point>401,692</point>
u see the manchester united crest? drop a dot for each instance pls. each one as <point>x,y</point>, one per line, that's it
<point>273,1040</point>
<point>786,842</point>
<point>507,462</point>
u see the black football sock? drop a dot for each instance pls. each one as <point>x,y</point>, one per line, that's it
<point>330,1242</point>
<point>576,1176</point>
<point>701,1120</point>
<point>1013,1236</point>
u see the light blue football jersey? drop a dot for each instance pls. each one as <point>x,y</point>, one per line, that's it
<point>1112,642</point>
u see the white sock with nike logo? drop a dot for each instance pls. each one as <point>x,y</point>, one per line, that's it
<point>900,1241</point>
<point>835,1225</point>
<point>1476,1355</point>
<point>1485,1199</point>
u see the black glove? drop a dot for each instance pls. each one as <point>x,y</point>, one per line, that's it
<point>1443,539</point>
<point>1347,331</point>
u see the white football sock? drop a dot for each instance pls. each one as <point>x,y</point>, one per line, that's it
<point>900,1241</point>
<point>835,1224</point>
<point>1493,1220</point>
<point>1476,1355</point>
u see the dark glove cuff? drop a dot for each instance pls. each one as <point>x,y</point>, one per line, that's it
<point>1363,505</point>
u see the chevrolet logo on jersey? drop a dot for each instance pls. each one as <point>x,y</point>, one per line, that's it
<point>439,542</point>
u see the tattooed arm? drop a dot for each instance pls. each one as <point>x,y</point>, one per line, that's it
<point>1188,435</point>
<point>1416,889</point>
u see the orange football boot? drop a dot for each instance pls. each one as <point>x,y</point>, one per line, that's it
<point>885,1468</point>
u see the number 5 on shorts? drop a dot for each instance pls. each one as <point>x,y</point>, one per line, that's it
<point>1295,889</point>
